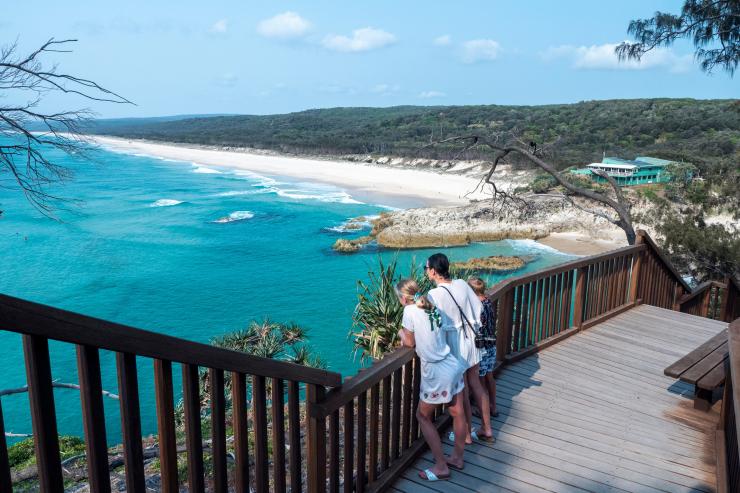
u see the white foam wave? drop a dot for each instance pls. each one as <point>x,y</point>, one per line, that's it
<point>353,225</point>
<point>237,193</point>
<point>235,216</point>
<point>535,246</point>
<point>165,203</point>
<point>340,197</point>
<point>206,170</point>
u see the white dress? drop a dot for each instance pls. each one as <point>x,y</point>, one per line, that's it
<point>441,372</point>
<point>460,338</point>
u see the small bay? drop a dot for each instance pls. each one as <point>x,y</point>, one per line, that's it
<point>194,252</point>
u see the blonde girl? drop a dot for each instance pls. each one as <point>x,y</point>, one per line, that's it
<point>441,377</point>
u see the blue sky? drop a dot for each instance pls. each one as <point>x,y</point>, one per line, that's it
<point>273,57</point>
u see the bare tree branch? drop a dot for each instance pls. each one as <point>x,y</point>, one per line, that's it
<point>533,154</point>
<point>31,132</point>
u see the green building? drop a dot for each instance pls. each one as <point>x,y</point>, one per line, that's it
<point>640,171</point>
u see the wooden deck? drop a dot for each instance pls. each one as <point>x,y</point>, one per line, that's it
<point>595,413</point>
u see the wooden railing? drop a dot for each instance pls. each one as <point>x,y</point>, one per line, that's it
<point>38,324</point>
<point>728,433</point>
<point>360,435</point>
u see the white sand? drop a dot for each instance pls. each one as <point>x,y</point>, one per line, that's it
<point>422,187</point>
<point>581,244</point>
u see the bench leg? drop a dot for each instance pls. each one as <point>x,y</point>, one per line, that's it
<point>702,399</point>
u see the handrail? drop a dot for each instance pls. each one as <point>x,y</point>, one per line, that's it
<point>365,378</point>
<point>666,263</point>
<point>700,289</point>
<point>733,343</point>
<point>496,291</point>
<point>26,317</point>
<point>728,428</point>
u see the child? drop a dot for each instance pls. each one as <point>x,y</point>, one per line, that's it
<point>488,326</point>
<point>441,377</point>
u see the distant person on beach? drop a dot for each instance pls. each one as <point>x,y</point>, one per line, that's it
<point>441,377</point>
<point>488,353</point>
<point>460,308</point>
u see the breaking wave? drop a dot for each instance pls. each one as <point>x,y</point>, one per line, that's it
<point>165,203</point>
<point>235,216</point>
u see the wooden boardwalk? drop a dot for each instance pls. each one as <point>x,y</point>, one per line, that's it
<point>595,413</point>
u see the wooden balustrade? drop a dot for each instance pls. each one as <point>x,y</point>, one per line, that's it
<point>360,435</point>
<point>246,375</point>
<point>728,432</point>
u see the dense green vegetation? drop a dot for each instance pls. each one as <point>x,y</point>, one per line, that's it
<point>697,131</point>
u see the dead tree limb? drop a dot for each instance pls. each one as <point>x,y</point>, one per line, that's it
<point>31,132</point>
<point>618,204</point>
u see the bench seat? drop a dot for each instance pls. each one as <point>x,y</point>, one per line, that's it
<point>704,367</point>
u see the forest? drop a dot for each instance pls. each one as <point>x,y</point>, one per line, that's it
<point>702,132</point>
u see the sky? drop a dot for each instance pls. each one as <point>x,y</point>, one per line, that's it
<point>199,57</point>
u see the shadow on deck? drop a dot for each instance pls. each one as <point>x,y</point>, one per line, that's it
<point>595,413</point>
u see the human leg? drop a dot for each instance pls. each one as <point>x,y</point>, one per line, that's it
<point>424,415</point>
<point>490,386</point>
<point>481,398</point>
<point>460,427</point>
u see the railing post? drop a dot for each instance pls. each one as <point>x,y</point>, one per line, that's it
<point>580,301</point>
<point>505,312</point>
<point>678,292</point>
<point>636,269</point>
<point>316,442</point>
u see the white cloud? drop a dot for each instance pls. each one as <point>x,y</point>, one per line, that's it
<point>220,26</point>
<point>431,94</point>
<point>364,39</point>
<point>385,88</point>
<point>444,40</point>
<point>288,25</point>
<point>602,56</point>
<point>478,50</point>
<point>227,80</point>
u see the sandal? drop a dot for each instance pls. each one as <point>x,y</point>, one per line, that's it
<point>455,466</point>
<point>430,476</point>
<point>481,438</point>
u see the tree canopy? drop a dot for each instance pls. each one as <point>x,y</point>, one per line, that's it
<point>712,25</point>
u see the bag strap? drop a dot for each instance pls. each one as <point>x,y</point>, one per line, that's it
<point>461,311</point>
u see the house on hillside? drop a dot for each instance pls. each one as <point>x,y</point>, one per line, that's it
<point>640,171</point>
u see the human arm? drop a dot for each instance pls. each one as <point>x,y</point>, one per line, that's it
<point>407,337</point>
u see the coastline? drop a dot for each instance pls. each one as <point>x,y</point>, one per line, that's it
<point>575,243</point>
<point>406,187</point>
<point>397,187</point>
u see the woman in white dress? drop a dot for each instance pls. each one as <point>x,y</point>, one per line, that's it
<point>441,377</point>
<point>460,309</point>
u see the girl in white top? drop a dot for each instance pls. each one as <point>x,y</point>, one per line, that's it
<point>441,377</point>
<point>460,308</point>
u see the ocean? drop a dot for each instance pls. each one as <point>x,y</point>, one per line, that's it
<point>192,251</point>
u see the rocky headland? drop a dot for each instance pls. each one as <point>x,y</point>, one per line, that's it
<point>482,221</point>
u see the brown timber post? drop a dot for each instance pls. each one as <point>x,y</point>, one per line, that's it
<point>678,292</point>
<point>580,301</point>
<point>505,312</point>
<point>636,268</point>
<point>316,443</point>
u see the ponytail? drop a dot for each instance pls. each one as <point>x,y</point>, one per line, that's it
<point>409,289</point>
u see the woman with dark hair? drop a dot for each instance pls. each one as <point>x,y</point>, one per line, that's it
<point>460,310</point>
<point>441,377</point>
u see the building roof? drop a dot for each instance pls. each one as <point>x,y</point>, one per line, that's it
<point>638,162</point>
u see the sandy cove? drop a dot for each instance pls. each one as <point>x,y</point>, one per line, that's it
<point>427,187</point>
<point>447,219</point>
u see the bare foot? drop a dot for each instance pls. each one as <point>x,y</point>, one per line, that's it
<point>456,463</point>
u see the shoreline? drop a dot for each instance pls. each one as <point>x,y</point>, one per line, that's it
<point>575,243</point>
<point>405,187</point>
<point>373,184</point>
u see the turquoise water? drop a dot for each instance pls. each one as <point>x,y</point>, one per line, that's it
<point>190,251</point>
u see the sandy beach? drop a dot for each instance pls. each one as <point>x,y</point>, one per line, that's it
<point>408,187</point>
<point>580,244</point>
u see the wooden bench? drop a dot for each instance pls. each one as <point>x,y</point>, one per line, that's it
<point>704,367</point>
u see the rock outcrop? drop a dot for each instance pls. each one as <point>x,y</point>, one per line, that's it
<point>493,263</point>
<point>483,221</point>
